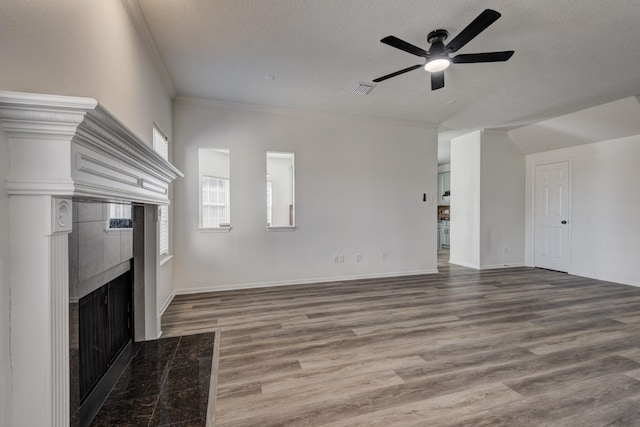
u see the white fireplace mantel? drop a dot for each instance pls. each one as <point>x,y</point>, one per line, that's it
<point>70,146</point>
<point>60,147</point>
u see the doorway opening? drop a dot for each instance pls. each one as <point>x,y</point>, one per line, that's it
<point>443,202</point>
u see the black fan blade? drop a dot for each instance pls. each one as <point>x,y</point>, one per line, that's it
<point>469,58</point>
<point>437,80</point>
<point>403,45</point>
<point>477,26</point>
<point>397,73</point>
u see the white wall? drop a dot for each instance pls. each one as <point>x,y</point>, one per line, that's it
<point>5,366</point>
<point>359,187</point>
<point>487,201</point>
<point>605,202</point>
<point>87,49</point>
<point>502,202</point>
<point>77,48</point>
<point>83,48</point>
<point>465,200</point>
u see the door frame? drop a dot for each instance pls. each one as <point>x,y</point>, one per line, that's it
<point>534,167</point>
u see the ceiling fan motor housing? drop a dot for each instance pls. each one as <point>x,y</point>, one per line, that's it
<point>437,36</point>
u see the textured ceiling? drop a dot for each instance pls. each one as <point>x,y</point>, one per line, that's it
<point>606,122</point>
<point>569,55</point>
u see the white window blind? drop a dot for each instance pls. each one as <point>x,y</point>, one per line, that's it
<point>269,202</point>
<point>120,216</point>
<point>161,146</point>
<point>119,211</point>
<point>215,202</point>
<point>163,218</point>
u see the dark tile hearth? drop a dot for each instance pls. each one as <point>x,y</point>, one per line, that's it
<point>166,384</point>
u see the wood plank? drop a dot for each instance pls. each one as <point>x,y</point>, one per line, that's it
<point>505,347</point>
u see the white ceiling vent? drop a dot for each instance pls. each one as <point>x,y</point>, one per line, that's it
<point>362,88</point>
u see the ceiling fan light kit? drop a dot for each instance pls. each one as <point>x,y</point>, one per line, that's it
<point>437,57</point>
<point>437,64</point>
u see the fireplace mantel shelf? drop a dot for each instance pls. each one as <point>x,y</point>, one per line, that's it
<point>71,146</point>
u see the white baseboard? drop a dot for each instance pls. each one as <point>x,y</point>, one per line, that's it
<point>464,264</point>
<point>233,287</point>
<point>486,267</point>
<point>496,266</point>
<point>166,304</point>
<point>606,278</point>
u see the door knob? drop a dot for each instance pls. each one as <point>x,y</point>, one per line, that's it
<point>563,222</point>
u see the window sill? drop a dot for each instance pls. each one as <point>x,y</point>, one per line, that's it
<point>165,259</point>
<point>282,228</point>
<point>118,230</point>
<point>215,229</point>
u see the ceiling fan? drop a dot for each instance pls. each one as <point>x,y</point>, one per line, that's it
<point>437,58</point>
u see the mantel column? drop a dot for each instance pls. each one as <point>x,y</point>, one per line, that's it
<point>40,309</point>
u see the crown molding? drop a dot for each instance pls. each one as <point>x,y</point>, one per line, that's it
<point>142,28</point>
<point>270,109</point>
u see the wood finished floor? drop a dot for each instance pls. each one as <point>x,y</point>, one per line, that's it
<point>513,347</point>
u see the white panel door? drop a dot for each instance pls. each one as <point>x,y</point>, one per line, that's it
<point>551,217</point>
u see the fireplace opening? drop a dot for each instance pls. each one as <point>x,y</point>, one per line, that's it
<point>105,327</point>
<point>106,300</point>
<point>105,345</point>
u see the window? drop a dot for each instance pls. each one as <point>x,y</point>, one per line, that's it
<point>215,188</point>
<point>119,216</point>
<point>269,201</point>
<point>215,202</point>
<point>161,146</point>
<point>280,190</point>
<point>163,219</point>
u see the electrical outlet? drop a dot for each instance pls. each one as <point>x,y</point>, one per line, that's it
<point>341,258</point>
<point>358,257</point>
<point>505,250</point>
<point>336,259</point>
<point>383,256</point>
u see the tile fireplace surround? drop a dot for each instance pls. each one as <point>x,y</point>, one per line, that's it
<point>62,148</point>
